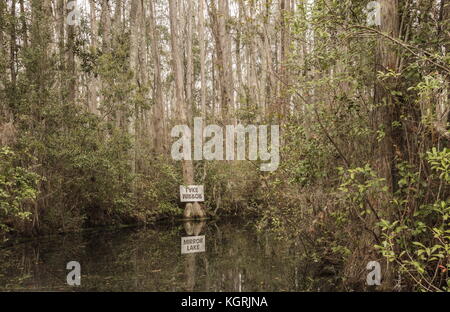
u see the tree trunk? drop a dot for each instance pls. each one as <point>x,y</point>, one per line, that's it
<point>201,38</point>
<point>13,45</point>
<point>388,109</point>
<point>285,7</point>
<point>106,25</point>
<point>238,52</point>
<point>219,17</point>
<point>189,60</point>
<point>71,66</point>
<point>158,110</point>
<point>134,62</point>
<point>94,82</point>
<point>23,20</point>
<point>192,210</point>
<point>4,109</point>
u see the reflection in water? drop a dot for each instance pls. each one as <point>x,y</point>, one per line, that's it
<point>192,229</point>
<point>149,259</point>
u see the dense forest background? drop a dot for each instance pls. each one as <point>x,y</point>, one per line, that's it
<point>87,109</point>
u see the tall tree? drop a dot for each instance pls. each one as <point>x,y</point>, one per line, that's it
<point>220,15</point>
<point>388,109</point>
<point>23,20</point>
<point>192,210</point>
<point>158,109</point>
<point>13,45</point>
<point>94,85</point>
<point>189,57</point>
<point>71,63</point>
<point>135,13</point>
<point>106,25</point>
<point>285,7</point>
<point>202,41</point>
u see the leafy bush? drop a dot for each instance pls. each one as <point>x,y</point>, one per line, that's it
<point>18,190</point>
<point>420,244</point>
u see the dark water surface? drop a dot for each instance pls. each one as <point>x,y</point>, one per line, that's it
<point>150,259</point>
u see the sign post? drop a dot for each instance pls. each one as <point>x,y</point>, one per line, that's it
<point>192,244</point>
<point>191,193</point>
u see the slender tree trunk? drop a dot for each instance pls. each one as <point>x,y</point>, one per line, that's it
<point>23,19</point>
<point>268,55</point>
<point>106,25</point>
<point>252,84</point>
<point>134,62</point>
<point>284,51</point>
<point>443,100</point>
<point>117,21</point>
<point>387,111</point>
<point>143,77</point>
<point>158,111</point>
<point>219,18</point>
<point>13,45</point>
<point>225,11</point>
<point>189,59</point>
<point>4,109</point>
<point>214,83</point>
<point>201,38</point>
<point>263,57</point>
<point>61,30</point>
<point>71,65</point>
<point>238,53</point>
<point>94,84</point>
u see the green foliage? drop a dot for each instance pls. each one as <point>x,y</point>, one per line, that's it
<point>307,159</point>
<point>440,162</point>
<point>420,244</point>
<point>359,185</point>
<point>18,190</point>
<point>232,189</point>
<point>157,194</point>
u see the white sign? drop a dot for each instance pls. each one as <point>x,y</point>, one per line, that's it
<point>191,193</point>
<point>191,244</point>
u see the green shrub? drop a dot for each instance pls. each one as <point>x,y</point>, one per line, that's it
<point>18,190</point>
